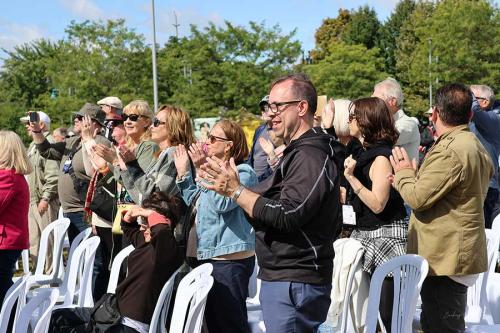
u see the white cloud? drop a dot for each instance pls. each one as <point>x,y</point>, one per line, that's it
<point>12,34</point>
<point>85,9</point>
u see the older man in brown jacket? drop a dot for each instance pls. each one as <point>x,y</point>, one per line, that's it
<point>447,223</point>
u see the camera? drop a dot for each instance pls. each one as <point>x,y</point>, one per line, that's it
<point>34,118</point>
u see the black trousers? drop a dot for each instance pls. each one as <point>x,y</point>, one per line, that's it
<point>8,260</point>
<point>110,245</point>
<point>489,206</point>
<point>443,305</point>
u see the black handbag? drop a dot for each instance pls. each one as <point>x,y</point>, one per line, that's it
<point>104,203</point>
<point>105,314</point>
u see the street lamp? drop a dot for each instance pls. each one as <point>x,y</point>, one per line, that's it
<point>155,80</point>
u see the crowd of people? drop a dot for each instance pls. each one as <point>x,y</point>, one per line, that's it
<point>363,169</point>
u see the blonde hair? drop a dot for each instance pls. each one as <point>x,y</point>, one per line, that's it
<point>140,107</point>
<point>13,154</point>
<point>341,120</point>
<point>178,125</point>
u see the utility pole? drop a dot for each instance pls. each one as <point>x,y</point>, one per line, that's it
<point>430,72</point>
<point>176,26</point>
<point>153,50</point>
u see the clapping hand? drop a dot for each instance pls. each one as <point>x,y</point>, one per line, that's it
<point>181,160</point>
<point>197,154</point>
<point>219,176</point>
<point>400,160</point>
<point>328,114</point>
<point>88,131</point>
<point>349,166</point>
<point>267,146</point>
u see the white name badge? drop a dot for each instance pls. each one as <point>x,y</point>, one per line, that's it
<point>348,215</point>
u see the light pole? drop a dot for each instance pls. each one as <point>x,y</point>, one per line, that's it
<point>153,50</point>
<point>430,73</point>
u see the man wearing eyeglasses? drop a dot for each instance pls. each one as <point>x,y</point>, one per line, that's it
<point>112,106</point>
<point>485,125</point>
<point>295,212</point>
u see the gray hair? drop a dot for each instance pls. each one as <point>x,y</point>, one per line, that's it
<point>485,92</point>
<point>391,89</point>
<point>341,120</point>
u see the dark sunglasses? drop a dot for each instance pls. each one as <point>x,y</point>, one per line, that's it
<point>132,117</point>
<point>80,118</point>
<point>214,138</point>
<point>157,122</point>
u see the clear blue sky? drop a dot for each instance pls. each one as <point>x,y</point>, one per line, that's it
<point>25,20</point>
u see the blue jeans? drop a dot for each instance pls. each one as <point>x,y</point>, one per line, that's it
<point>8,260</point>
<point>77,224</point>
<point>293,307</point>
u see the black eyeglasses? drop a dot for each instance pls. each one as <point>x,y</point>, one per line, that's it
<point>213,138</point>
<point>132,117</point>
<point>157,122</point>
<point>274,107</point>
<point>477,97</point>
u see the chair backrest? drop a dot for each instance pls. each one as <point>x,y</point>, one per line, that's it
<point>58,228</point>
<point>495,226</point>
<point>347,295</point>
<point>200,291</point>
<point>116,267</point>
<point>16,292</point>
<point>76,241</point>
<point>409,272</point>
<point>25,258</point>
<point>158,321</point>
<point>477,305</point>
<point>37,312</point>
<point>184,296</point>
<point>84,254</point>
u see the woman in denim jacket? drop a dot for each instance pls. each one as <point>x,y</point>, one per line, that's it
<point>225,238</point>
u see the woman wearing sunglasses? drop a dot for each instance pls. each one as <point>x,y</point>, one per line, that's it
<point>381,224</point>
<point>171,127</point>
<point>224,237</point>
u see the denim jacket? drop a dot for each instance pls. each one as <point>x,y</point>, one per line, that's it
<point>221,224</point>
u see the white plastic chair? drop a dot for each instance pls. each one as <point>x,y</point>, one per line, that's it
<point>77,289</point>
<point>58,228</point>
<point>159,319</point>
<point>36,313</point>
<point>409,272</point>
<point>116,267</point>
<point>254,309</point>
<point>478,310</point>
<point>493,296</point>
<point>190,292</point>
<point>25,262</point>
<point>495,226</point>
<point>194,297</point>
<point>15,293</point>
<point>346,309</point>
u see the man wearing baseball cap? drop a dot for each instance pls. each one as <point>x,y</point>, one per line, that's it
<point>42,181</point>
<point>111,105</point>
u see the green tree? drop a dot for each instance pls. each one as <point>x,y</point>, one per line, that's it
<point>329,32</point>
<point>465,38</point>
<point>362,28</point>
<point>349,71</point>
<point>219,69</point>
<point>390,31</point>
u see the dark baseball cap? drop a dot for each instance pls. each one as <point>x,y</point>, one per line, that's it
<point>94,111</point>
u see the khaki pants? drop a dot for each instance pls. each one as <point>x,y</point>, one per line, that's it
<point>36,225</point>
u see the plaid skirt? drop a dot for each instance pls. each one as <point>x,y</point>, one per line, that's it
<point>382,244</point>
